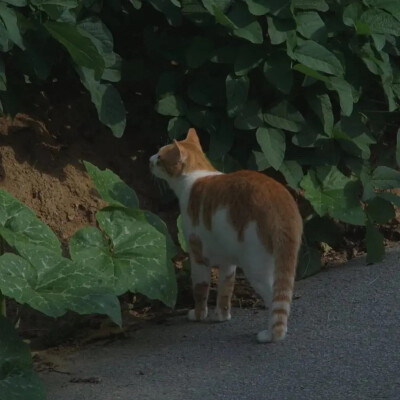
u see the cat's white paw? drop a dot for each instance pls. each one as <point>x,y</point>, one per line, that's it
<point>264,336</point>
<point>220,316</point>
<point>191,315</point>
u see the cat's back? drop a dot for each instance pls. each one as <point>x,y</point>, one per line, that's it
<point>249,194</point>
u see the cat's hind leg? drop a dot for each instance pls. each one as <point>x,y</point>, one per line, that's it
<point>226,284</point>
<point>260,276</point>
<point>201,276</point>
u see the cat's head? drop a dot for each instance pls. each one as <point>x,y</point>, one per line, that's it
<point>180,157</point>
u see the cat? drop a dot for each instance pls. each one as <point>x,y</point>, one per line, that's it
<point>244,219</point>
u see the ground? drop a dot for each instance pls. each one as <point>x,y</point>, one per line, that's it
<point>343,343</point>
<point>41,153</point>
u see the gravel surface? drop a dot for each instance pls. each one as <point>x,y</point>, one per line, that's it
<point>343,343</point>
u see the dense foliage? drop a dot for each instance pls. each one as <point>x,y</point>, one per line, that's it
<point>307,90</point>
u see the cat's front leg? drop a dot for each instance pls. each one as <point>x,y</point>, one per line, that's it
<point>226,284</point>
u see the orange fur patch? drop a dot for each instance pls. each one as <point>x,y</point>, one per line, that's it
<point>200,294</point>
<point>184,156</point>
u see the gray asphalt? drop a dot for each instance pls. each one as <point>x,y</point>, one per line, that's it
<point>343,343</point>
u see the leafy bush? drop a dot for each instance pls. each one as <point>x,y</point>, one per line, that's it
<point>131,252</point>
<point>306,90</point>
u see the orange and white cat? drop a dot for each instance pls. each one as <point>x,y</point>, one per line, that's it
<point>241,219</point>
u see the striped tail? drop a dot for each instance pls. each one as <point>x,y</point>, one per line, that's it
<point>285,270</point>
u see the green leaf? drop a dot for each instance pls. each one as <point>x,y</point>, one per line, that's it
<point>250,117</point>
<point>279,29</point>
<point>111,188</point>
<point>310,72</point>
<point>177,127</point>
<point>278,7</point>
<point>380,210</point>
<point>136,3</point>
<point>64,3</point>
<point>9,17</point>
<point>237,89</point>
<point>322,106</point>
<point>319,5</point>
<point>209,92</point>
<point>258,7</point>
<point>53,284</point>
<point>319,58</point>
<point>169,9</point>
<point>379,21</point>
<point>20,227</point>
<point>277,70</point>
<point>309,262</point>
<point>247,27</point>
<point>82,50</point>
<point>292,172</point>
<point>329,191</point>
<point>311,26</point>
<point>375,245</point>
<point>352,13</point>
<point>172,105</point>
<point>345,92</point>
<point>16,3</point>
<point>181,237</point>
<point>18,381</point>
<point>285,116</point>
<point>107,100</point>
<point>273,145</point>
<point>391,6</point>
<point>385,178</point>
<point>169,82</point>
<point>392,197</point>
<point>248,57</point>
<point>199,51</point>
<point>94,29</point>
<point>134,255</point>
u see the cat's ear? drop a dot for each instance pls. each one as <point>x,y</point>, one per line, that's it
<point>180,152</point>
<point>192,137</point>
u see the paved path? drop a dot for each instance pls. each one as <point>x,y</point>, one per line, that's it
<point>343,343</point>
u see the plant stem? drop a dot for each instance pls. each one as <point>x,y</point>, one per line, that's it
<point>3,308</point>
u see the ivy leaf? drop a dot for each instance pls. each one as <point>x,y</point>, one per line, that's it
<point>107,100</point>
<point>322,106</point>
<point>237,89</point>
<point>311,25</point>
<point>385,178</point>
<point>292,172</point>
<point>277,70</point>
<point>209,92</point>
<point>379,21</point>
<point>250,117</point>
<point>309,262</point>
<point>21,228</point>
<point>81,48</point>
<point>177,127</point>
<point>375,245</point>
<point>257,7</point>
<point>9,17</point>
<point>273,145</point>
<point>329,191</point>
<point>53,284</point>
<point>319,58</point>
<point>345,92</point>
<point>172,105</point>
<point>18,381</point>
<point>319,5</point>
<point>111,188</point>
<point>199,51</point>
<point>285,116</point>
<point>279,29</point>
<point>247,27</point>
<point>133,254</point>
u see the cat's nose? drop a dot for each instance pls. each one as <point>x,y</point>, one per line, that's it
<point>153,160</point>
